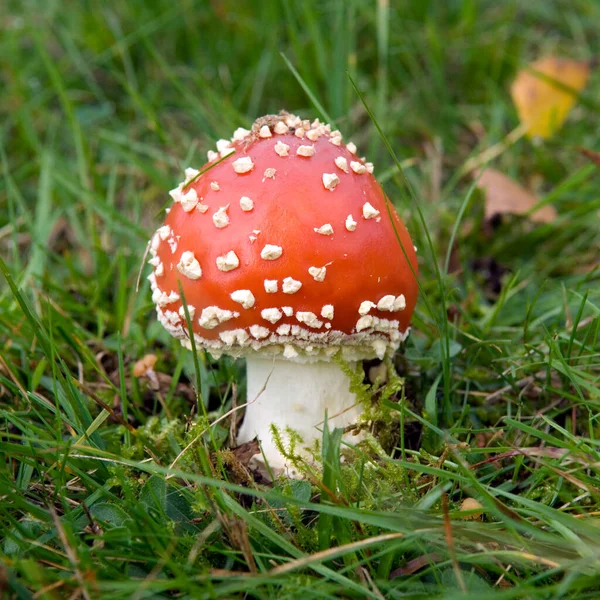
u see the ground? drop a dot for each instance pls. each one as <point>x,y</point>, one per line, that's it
<point>116,477</point>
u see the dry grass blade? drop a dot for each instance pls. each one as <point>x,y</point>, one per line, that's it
<point>332,553</point>
<point>450,541</point>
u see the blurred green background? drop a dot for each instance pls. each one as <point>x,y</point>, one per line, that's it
<point>102,105</point>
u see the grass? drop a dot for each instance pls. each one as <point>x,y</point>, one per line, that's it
<point>103,104</point>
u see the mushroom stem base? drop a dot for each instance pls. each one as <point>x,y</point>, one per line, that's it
<point>293,395</point>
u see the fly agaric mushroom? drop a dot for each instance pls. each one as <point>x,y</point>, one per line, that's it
<point>287,256</point>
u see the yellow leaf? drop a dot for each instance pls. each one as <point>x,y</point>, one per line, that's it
<point>505,196</point>
<point>545,92</point>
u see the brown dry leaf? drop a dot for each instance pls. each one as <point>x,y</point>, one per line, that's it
<point>505,196</point>
<point>545,91</point>
<point>416,564</point>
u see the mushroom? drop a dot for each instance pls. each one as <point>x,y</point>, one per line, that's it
<point>292,261</point>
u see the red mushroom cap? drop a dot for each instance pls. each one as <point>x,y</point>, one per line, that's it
<point>286,245</point>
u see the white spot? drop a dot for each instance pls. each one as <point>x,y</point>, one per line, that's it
<point>288,311</point>
<point>318,273</point>
<point>293,121</point>
<point>280,128</point>
<point>189,200</point>
<point>239,336</point>
<point>350,223</point>
<point>228,261</point>
<point>327,311</point>
<point>213,315</point>
<point>306,151</point>
<point>365,307</point>
<point>164,232</point>
<point>358,167</point>
<point>399,303</point>
<point>380,347</point>
<point>327,326</point>
<point>172,317</point>
<point>191,173</point>
<point>240,133</point>
<point>246,204</point>
<point>415,248</point>
<point>364,322</point>
<point>326,229</point>
<point>330,180</point>
<point>270,286</point>
<point>189,266</point>
<point>172,244</point>
<point>159,270</point>
<point>243,297</point>
<point>271,314</point>
<point>224,147</point>
<point>341,163</point>
<point>162,298</point>
<point>270,173</point>
<point>368,211</point>
<point>191,311</point>
<point>351,147</point>
<point>214,185</point>
<point>290,286</point>
<point>212,155</point>
<point>154,261</point>
<point>281,149</point>
<point>386,325</point>
<point>336,140</point>
<point>201,207</point>
<point>154,242</point>
<point>370,167</point>
<point>259,332</point>
<point>289,351</point>
<point>265,132</point>
<point>175,193</point>
<point>300,133</point>
<point>284,329</point>
<point>386,303</point>
<point>243,164</point>
<point>270,252</point>
<point>220,217</point>
<point>252,238</point>
<point>309,318</point>
<point>312,135</point>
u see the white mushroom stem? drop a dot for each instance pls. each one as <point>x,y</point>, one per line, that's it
<point>295,395</point>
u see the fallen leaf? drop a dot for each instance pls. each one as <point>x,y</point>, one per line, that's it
<point>504,196</point>
<point>246,451</point>
<point>545,92</point>
<point>416,564</point>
